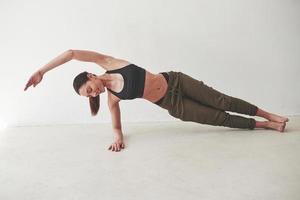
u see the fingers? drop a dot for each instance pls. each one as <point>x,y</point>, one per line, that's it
<point>34,80</point>
<point>116,146</point>
<point>29,83</point>
<point>112,147</point>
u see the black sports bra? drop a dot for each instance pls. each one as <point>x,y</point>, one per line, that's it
<point>134,81</point>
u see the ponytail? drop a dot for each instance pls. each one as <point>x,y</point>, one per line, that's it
<point>78,81</point>
<point>94,105</point>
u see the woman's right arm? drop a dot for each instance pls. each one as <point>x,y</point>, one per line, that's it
<point>114,108</point>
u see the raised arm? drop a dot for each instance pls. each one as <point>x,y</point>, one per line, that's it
<point>55,62</point>
<point>105,61</point>
<point>81,55</point>
<point>37,76</point>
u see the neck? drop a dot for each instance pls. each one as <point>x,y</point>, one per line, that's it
<point>106,80</point>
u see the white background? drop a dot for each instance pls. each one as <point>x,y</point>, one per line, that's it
<point>247,49</point>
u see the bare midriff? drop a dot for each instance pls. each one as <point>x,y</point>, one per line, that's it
<point>155,87</point>
<point>155,84</point>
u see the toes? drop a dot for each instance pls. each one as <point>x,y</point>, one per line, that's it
<point>285,119</point>
<point>282,127</point>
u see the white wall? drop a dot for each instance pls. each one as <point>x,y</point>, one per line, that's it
<point>247,49</point>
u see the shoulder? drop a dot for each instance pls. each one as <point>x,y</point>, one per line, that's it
<point>111,63</point>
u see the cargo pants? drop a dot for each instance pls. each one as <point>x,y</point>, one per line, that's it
<point>189,99</point>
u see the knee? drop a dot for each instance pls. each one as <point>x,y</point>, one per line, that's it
<point>225,120</point>
<point>225,102</point>
<point>235,121</point>
<point>217,118</point>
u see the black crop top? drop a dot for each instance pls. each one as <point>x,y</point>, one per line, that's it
<point>134,81</point>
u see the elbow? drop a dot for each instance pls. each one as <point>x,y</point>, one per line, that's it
<point>109,104</point>
<point>70,53</point>
<point>112,105</point>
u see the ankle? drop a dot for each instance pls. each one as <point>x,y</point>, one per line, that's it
<point>262,113</point>
<point>261,124</point>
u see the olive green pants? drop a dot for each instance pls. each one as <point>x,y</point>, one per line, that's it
<point>189,99</point>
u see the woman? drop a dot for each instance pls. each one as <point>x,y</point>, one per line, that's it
<point>182,96</point>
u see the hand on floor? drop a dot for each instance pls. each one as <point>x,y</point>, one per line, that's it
<point>117,145</point>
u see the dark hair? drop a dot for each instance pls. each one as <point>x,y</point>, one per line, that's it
<point>80,80</point>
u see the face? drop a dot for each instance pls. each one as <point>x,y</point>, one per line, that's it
<point>93,87</point>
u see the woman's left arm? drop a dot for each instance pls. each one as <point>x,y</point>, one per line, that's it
<point>81,55</point>
<point>37,76</point>
<point>107,62</point>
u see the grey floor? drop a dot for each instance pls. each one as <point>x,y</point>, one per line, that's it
<point>166,160</point>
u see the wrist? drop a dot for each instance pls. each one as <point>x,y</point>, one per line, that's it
<point>119,136</point>
<point>42,71</point>
<point>118,133</point>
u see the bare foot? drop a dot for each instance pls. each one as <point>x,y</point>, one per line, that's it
<point>276,118</point>
<point>271,116</point>
<point>279,126</point>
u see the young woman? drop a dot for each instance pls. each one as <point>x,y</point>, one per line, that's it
<point>184,97</point>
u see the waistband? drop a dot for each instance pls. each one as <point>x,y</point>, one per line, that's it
<point>166,76</point>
